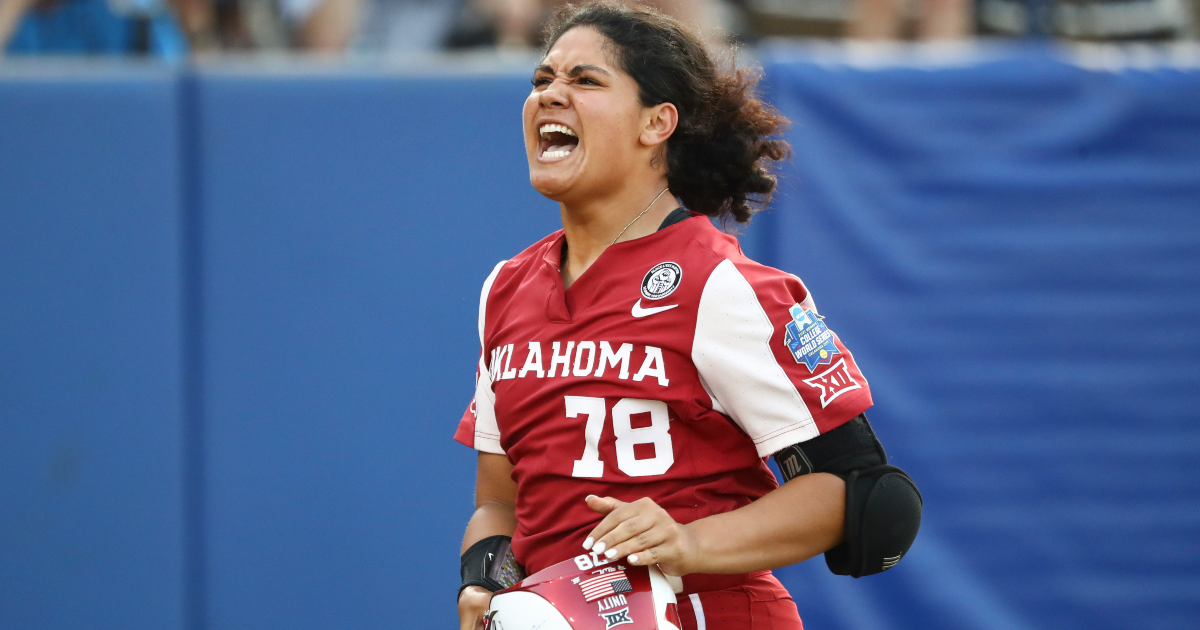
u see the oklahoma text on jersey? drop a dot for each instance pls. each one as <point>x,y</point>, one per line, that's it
<point>586,354</point>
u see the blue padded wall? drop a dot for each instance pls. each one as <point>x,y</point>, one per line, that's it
<point>91,438</point>
<point>350,222</point>
<point>1012,251</point>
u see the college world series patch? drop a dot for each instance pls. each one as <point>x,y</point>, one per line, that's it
<point>809,340</point>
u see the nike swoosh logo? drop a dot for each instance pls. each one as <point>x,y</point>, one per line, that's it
<point>638,311</point>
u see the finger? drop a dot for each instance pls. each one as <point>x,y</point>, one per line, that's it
<point>674,555</point>
<point>603,505</point>
<point>623,532</point>
<point>665,555</point>
<point>638,545</point>
<point>645,509</point>
<point>472,603</point>
<point>474,597</point>
<point>614,519</point>
<point>469,621</point>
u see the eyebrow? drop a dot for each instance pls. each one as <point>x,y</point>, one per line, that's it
<point>576,71</point>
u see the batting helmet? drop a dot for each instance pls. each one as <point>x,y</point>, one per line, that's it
<point>604,595</point>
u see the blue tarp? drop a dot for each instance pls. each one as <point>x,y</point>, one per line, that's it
<point>1012,250</point>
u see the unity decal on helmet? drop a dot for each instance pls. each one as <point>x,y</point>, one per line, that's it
<point>607,605</point>
<point>809,340</point>
<point>661,281</point>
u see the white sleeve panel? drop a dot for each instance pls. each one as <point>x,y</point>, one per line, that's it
<point>487,431</point>
<point>732,353</point>
<point>483,298</point>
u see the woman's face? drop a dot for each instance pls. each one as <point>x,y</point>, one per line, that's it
<point>583,121</point>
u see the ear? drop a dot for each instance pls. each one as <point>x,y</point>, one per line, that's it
<point>660,121</point>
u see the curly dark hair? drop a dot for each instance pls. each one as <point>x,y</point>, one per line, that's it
<point>720,159</point>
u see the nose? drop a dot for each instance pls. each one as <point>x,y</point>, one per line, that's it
<point>552,97</point>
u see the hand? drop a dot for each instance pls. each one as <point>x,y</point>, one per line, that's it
<point>472,603</point>
<point>643,533</point>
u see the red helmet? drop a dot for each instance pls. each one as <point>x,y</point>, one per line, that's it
<point>586,593</point>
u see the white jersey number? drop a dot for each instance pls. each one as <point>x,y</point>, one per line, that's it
<point>658,434</point>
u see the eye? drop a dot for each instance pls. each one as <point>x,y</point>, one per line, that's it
<point>540,81</point>
<point>588,81</point>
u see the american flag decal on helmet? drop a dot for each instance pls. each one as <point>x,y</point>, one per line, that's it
<point>606,584</point>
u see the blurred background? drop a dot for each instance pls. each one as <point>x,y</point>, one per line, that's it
<point>241,246</point>
<point>173,29</point>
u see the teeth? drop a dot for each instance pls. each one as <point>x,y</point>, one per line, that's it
<point>556,154</point>
<point>552,127</point>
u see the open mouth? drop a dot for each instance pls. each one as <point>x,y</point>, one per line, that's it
<point>556,141</point>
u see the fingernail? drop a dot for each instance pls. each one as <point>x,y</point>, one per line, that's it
<point>633,559</point>
<point>600,546</point>
<point>590,496</point>
<point>610,554</point>
<point>587,544</point>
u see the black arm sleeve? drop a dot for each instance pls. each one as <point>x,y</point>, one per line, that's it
<point>852,446</point>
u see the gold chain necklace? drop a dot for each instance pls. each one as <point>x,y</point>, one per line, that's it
<point>639,216</point>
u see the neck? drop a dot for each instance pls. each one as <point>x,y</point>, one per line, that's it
<point>592,226</point>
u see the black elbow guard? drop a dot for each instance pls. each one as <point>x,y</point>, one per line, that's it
<point>490,563</point>
<point>883,514</point>
<point>883,505</point>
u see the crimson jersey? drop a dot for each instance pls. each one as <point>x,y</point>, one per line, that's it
<point>670,369</point>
